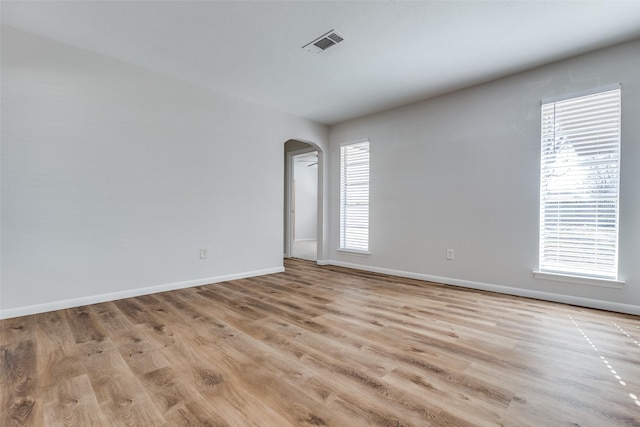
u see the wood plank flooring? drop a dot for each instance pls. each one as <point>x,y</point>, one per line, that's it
<point>321,346</point>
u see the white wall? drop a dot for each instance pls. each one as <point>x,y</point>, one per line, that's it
<point>113,178</point>
<point>461,171</point>
<point>306,197</point>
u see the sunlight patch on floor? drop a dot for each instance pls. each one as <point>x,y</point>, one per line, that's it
<point>604,359</point>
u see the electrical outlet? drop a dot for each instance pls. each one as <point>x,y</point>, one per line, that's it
<point>450,254</point>
<point>203,254</point>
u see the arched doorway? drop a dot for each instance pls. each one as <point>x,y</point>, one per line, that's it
<point>303,205</point>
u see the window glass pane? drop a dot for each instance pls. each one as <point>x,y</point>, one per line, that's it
<point>579,182</point>
<point>354,196</point>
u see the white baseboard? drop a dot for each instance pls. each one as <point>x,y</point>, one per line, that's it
<point>547,296</point>
<point>112,296</point>
<point>95,299</point>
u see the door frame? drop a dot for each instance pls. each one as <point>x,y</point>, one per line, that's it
<point>289,231</point>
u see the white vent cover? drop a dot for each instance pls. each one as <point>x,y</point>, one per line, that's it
<point>323,42</point>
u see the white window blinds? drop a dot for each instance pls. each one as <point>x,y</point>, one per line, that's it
<point>354,196</point>
<point>579,183</point>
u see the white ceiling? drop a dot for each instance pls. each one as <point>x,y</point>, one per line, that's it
<point>394,53</point>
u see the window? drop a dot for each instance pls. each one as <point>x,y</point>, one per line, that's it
<point>579,183</point>
<point>354,197</point>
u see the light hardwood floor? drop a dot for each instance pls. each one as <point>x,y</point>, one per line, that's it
<point>318,346</point>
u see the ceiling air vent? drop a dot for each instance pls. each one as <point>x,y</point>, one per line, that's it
<point>324,42</point>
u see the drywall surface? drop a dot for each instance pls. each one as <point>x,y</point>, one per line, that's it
<point>306,200</point>
<point>461,171</point>
<point>114,177</point>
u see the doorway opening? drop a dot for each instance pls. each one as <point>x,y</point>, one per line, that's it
<point>302,206</point>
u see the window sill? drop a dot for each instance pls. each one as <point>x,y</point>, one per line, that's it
<point>354,252</point>
<point>605,283</point>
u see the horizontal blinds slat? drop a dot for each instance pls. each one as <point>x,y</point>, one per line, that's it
<point>579,182</point>
<point>587,99</point>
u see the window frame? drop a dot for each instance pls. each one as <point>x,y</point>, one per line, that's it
<point>565,272</point>
<point>343,238</point>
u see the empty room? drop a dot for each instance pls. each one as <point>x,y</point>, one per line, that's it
<point>320,213</point>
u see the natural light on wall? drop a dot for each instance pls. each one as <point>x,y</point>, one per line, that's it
<point>579,185</point>
<point>354,197</point>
